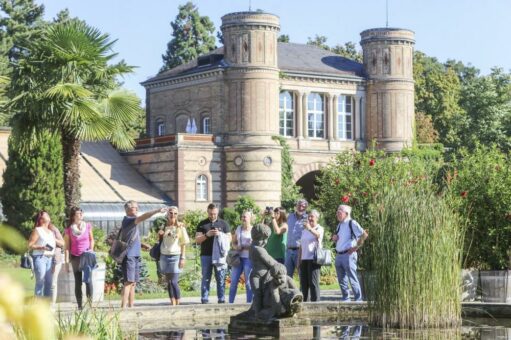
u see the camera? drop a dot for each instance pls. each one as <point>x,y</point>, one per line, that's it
<point>268,210</point>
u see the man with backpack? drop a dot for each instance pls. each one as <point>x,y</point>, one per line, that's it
<point>348,237</point>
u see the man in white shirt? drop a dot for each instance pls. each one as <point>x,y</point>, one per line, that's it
<point>348,237</point>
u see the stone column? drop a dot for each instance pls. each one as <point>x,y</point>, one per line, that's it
<point>356,118</point>
<point>330,114</point>
<point>334,116</point>
<point>298,114</point>
<point>305,121</point>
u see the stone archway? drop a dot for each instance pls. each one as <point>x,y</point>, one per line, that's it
<point>306,178</point>
<point>308,185</point>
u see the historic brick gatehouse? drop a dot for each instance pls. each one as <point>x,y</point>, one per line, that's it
<point>210,122</point>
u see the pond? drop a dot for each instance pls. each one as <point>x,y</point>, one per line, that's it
<point>473,328</point>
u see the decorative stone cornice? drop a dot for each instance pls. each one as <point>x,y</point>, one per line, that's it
<point>324,78</point>
<point>183,79</point>
<point>260,19</point>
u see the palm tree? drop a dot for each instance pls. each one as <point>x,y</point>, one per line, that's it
<point>63,83</point>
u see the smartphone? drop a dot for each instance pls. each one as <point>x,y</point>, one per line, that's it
<point>49,247</point>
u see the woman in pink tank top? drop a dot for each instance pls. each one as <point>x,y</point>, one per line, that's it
<point>79,239</point>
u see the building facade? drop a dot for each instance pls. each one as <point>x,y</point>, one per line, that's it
<point>211,122</point>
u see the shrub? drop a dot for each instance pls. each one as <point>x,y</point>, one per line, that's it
<point>480,181</point>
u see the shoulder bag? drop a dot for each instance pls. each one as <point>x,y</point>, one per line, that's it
<point>26,261</point>
<point>119,248</point>
<point>323,256</point>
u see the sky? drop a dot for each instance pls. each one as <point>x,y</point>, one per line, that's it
<point>471,31</point>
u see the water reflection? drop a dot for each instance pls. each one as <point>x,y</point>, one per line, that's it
<point>484,329</point>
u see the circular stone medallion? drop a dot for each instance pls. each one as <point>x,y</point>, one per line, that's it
<point>267,161</point>
<point>238,161</point>
<point>202,160</point>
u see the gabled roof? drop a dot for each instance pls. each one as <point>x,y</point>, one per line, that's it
<point>295,58</point>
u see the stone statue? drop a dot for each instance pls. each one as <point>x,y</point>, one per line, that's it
<point>275,293</point>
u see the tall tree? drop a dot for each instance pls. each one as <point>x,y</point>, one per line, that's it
<point>19,19</point>
<point>437,94</point>
<point>348,50</point>
<point>33,181</point>
<point>319,41</point>
<point>63,83</point>
<point>283,38</point>
<point>192,35</point>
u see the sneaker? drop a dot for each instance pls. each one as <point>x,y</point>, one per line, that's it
<point>221,301</point>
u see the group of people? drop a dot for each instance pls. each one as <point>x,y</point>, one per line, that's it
<point>293,242</point>
<point>50,251</point>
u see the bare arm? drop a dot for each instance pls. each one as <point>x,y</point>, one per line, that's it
<point>33,240</point>
<point>362,238</point>
<point>91,238</point>
<point>67,248</point>
<point>148,214</point>
<point>278,230</point>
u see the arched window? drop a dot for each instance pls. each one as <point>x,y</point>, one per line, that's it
<point>201,188</point>
<point>160,127</point>
<point>206,125</point>
<point>315,116</point>
<point>345,117</point>
<point>286,114</point>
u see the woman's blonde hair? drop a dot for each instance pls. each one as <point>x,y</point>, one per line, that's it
<point>176,209</point>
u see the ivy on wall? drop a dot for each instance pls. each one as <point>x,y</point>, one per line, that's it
<point>290,192</point>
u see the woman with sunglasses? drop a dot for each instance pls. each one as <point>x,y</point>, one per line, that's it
<point>172,249</point>
<point>42,242</point>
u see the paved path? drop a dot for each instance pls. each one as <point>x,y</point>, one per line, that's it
<point>326,295</point>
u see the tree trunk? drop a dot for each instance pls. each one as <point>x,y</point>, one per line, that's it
<point>71,157</point>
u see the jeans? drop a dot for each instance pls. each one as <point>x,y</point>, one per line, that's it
<point>207,270</point>
<point>43,275</point>
<point>346,268</point>
<point>245,267</point>
<point>291,261</point>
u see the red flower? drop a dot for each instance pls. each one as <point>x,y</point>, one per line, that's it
<point>464,194</point>
<point>345,199</point>
<point>372,162</point>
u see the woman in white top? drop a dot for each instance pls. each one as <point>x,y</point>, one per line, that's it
<point>42,242</point>
<point>172,253</point>
<point>241,241</point>
<point>312,238</point>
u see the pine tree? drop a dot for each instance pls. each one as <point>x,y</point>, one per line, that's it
<point>19,19</point>
<point>33,182</point>
<point>192,36</point>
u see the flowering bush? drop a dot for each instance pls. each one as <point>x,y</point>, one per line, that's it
<point>361,179</point>
<point>481,182</point>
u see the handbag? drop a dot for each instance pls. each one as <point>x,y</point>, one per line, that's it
<point>26,261</point>
<point>119,248</point>
<point>155,251</point>
<point>323,256</point>
<point>233,258</point>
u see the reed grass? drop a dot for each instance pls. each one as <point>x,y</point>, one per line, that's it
<point>416,243</point>
<point>95,323</point>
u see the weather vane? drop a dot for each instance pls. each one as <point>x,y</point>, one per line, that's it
<point>387,13</point>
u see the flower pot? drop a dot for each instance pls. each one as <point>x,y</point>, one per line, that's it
<point>495,286</point>
<point>66,285</point>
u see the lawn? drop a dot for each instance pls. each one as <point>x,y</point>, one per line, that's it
<point>10,264</point>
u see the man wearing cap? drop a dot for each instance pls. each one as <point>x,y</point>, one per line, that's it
<point>348,237</point>
<point>294,234</point>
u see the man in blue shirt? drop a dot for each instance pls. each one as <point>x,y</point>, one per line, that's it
<point>294,234</point>
<point>131,263</point>
<point>348,237</point>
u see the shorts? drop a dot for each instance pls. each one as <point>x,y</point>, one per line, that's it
<point>169,264</point>
<point>131,269</point>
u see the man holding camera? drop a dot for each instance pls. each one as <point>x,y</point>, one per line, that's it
<point>207,231</point>
<point>295,224</point>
